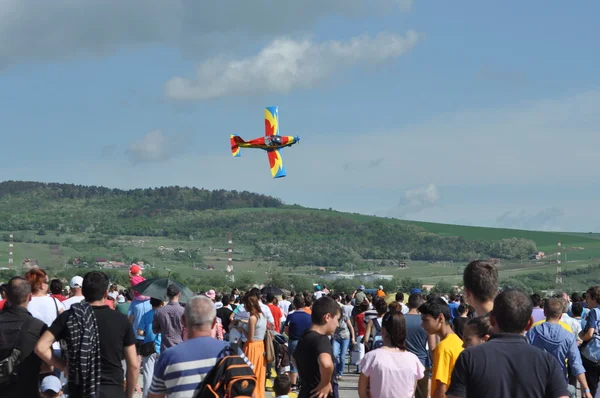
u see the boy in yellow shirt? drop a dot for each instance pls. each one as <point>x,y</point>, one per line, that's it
<point>435,319</point>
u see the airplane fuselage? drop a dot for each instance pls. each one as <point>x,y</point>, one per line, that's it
<point>270,142</point>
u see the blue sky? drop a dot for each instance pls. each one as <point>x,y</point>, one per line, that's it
<point>468,112</point>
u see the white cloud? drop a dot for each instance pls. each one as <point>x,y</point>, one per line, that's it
<point>157,147</point>
<point>417,199</point>
<point>36,30</point>
<point>286,64</point>
<point>542,220</point>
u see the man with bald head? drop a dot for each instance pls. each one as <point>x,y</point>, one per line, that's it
<point>20,330</point>
<point>181,368</point>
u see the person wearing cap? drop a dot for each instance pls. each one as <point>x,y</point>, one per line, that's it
<point>167,320</point>
<point>76,294</point>
<point>380,292</point>
<point>359,297</point>
<point>51,387</point>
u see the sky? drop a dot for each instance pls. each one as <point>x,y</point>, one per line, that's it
<point>470,112</point>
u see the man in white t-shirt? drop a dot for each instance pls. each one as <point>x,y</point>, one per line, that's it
<point>284,305</point>
<point>76,293</point>
<point>318,292</point>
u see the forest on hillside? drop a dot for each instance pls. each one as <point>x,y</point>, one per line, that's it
<point>293,238</point>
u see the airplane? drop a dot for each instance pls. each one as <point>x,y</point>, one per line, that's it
<point>272,142</point>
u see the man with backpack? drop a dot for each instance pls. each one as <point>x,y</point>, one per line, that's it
<point>19,366</point>
<point>181,369</point>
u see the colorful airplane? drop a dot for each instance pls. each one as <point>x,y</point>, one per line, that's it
<point>272,142</point>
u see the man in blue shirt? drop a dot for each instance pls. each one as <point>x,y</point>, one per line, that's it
<point>145,330</point>
<point>550,336</point>
<point>296,324</point>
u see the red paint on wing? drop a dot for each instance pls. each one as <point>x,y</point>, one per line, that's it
<point>272,158</point>
<point>269,128</point>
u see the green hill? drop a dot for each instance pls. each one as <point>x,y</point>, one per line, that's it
<point>185,229</point>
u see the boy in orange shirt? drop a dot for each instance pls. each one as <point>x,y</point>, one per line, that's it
<point>435,319</point>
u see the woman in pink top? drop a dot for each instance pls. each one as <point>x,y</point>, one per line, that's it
<point>390,371</point>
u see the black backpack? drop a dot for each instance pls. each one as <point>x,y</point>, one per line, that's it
<point>231,377</point>
<point>378,339</point>
<point>10,364</point>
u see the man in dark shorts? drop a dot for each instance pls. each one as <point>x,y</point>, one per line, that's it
<point>314,354</point>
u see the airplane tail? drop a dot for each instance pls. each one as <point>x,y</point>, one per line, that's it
<point>235,149</point>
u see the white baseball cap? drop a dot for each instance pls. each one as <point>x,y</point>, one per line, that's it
<point>51,383</point>
<point>76,281</point>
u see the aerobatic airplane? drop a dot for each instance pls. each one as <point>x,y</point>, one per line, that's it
<point>272,142</point>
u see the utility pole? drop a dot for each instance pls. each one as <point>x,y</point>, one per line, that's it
<point>559,280</point>
<point>11,246</point>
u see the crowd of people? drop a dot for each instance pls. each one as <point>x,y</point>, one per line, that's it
<point>93,339</point>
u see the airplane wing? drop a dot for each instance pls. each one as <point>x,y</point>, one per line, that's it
<point>276,163</point>
<point>271,120</point>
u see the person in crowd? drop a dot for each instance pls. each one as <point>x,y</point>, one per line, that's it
<point>480,279</point>
<point>361,325</point>
<point>20,329</point>
<point>275,311</point>
<point>314,355</point>
<point>458,324</point>
<point>218,301</point>
<point>538,308</point>
<point>308,302</point>
<point>574,325</point>
<point>3,288</point>
<point>553,338</point>
<point>390,371</point>
<point>136,311</point>
<point>254,347</point>
<point>152,340</point>
<point>182,367</point>
<point>282,386</point>
<point>477,331</point>
<point>42,306</point>
<point>577,313</point>
<point>347,307</point>
<point>400,300</point>
<point>224,313</point>
<point>380,292</point>
<point>135,278</point>
<point>373,329</point>
<point>453,304</point>
<point>167,320</point>
<point>108,336</point>
<point>51,387</point>
<point>418,341</point>
<point>359,297</point>
<point>124,302</point>
<point>507,365</point>
<point>589,332</point>
<point>577,298</point>
<point>76,295</point>
<point>435,319</point>
<point>318,292</point>
<point>341,340</point>
<point>284,305</point>
<point>56,290</point>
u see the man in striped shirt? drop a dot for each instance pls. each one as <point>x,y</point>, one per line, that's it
<point>181,368</point>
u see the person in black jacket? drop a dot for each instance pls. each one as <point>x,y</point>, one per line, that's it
<point>21,331</point>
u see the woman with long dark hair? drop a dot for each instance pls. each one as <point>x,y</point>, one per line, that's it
<point>390,371</point>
